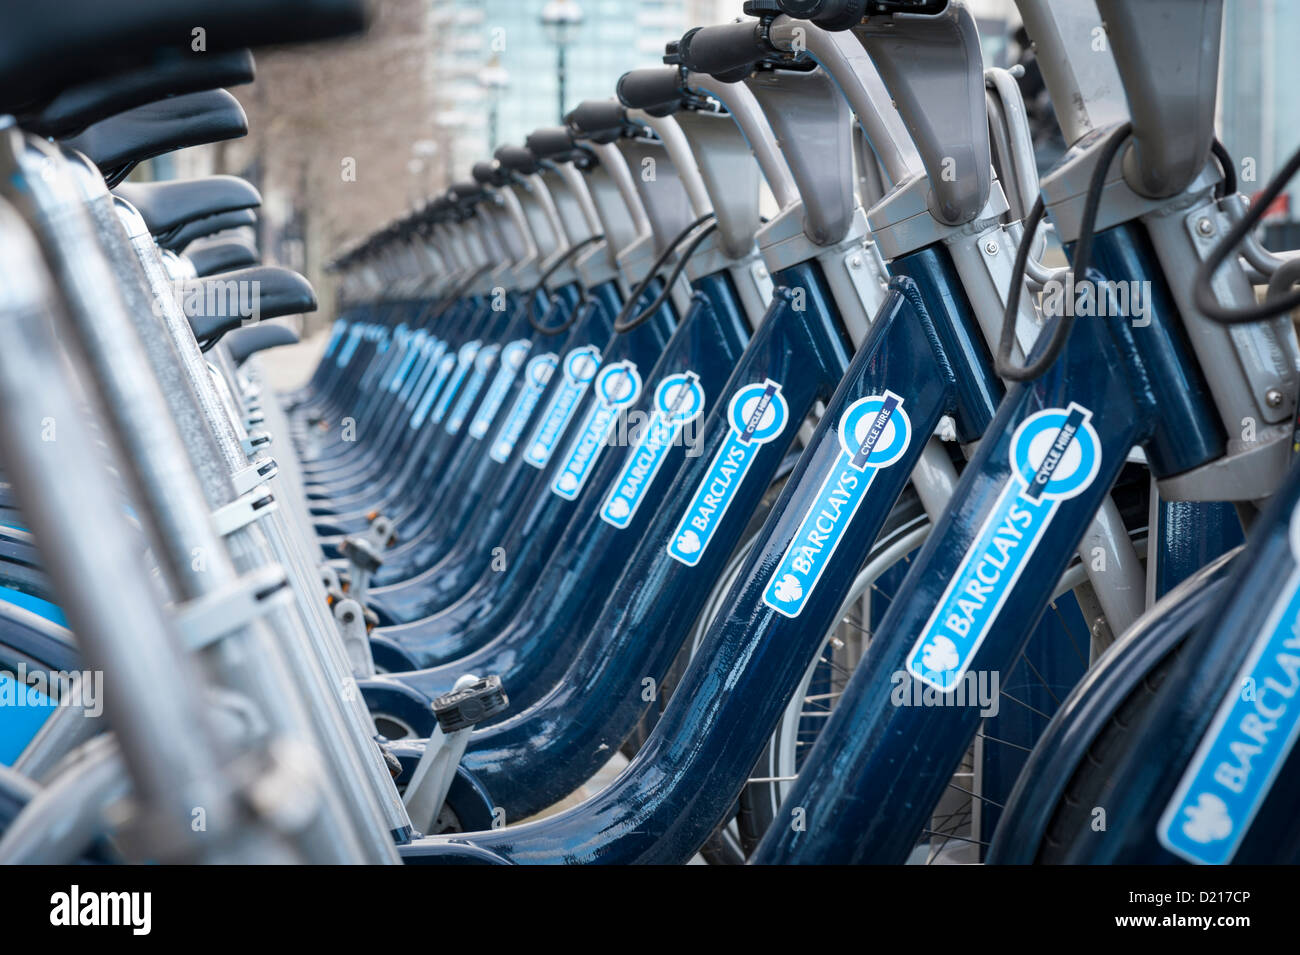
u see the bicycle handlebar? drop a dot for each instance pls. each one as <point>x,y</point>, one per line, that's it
<point>724,49</point>
<point>518,159</point>
<point>601,121</point>
<point>657,90</point>
<point>550,142</point>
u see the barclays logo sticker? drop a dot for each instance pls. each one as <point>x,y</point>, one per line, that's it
<point>512,359</point>
<point>579,368</point>
<point>679,399</point>
<point>1055,455</point>
<point>537,375</point>
<point>464,360</point>
<point>874,433</point>
<point>445,366</point>
<point>1248,741</point>
<point>617,387</point>
<point>757,414</point>
<point>483,362</point>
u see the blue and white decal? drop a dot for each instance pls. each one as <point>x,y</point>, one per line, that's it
<point>679,399</point>
<point>537,375</point>
<point>1055,455</point>
<point>483,362</point>
<point>412,351</point>
<point>349,347</point>
<point>617,386</point>
<point>757,414</point>
<point>445,366</point>
<point>335,335</point>
<point>579,368</point>
<point>874,433</point>
<point>1248,741</point>
<point>465,356</point>
<point>415,388</point>
<point>512,359</point>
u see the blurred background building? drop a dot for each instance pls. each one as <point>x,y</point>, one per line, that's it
<point>347,136</point>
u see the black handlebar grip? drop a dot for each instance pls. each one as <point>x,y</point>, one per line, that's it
<point>657,90</point>
<point>723,49</point>
<point>600,120</point>
<point>837,15</point>
<point>488,173</point>
<point>466,190</point>
<point>550,142</point>
<point>520,159</point>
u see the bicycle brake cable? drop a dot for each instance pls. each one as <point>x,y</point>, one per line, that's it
<point>1082,260</point>
<point>1203,291</point>
<point>621,323</point>
<point>672,278</point>
<point>541,287</point>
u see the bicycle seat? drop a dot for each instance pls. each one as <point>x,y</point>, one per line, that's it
<point>217,304</point>
<point>170,204</point>
<point>210,256</point>
<point>207,226</point>
<point>48,47</point>
<point>77,107</point>
<point>147,131</point>
<point>243,343</point>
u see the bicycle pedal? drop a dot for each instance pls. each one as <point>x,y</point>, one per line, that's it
<point>361,553</point>
<point>461,709</point>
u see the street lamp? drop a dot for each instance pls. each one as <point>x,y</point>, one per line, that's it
<point>560,20</point>
<point>493,78</point>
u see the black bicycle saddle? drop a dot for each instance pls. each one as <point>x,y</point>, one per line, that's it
<point>170,204</point>
<point>220,303</point>
<point>47,47</point>
<point>77,107</point>
<point>118,143</point>
<point>243,343</point>
<point>221,254</point>
<point>203,227</point>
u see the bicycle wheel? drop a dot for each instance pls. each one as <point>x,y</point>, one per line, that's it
<point>1054,803</point>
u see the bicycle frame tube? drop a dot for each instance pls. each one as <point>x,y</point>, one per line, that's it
<point>985,575</point>
<point>531,652</point>
<point>430,590</point>
<point>788,593</point>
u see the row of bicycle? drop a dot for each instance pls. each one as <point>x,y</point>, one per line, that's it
<point>865,534</point>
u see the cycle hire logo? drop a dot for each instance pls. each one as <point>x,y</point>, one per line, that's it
<point>537,375</point>
<point>1055,455</point>
<point>1247,742</point>
<point>679,399</point>
<point>617,387</point>
<point>464,359</point>
<point>512,359</point>
<point>874,433</point>
<point>757,414</point>
<point>445,365</point>
<point>483,362</point>
<point>579,368</point>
